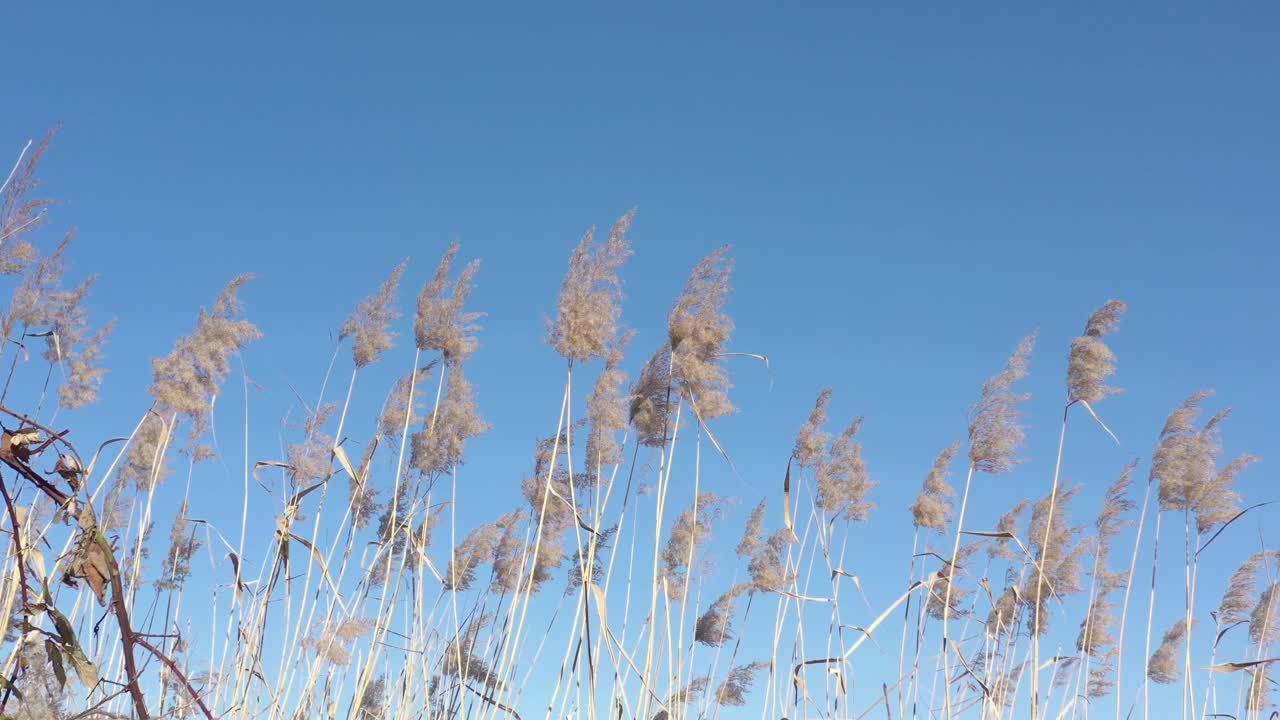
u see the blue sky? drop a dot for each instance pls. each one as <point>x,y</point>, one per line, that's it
<point>909,190</point>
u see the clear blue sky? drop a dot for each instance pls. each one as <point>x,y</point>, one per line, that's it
<point>909,190</point>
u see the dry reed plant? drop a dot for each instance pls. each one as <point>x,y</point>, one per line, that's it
<point>381,599</point>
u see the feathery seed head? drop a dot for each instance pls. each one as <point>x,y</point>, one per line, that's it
<point>843,481</point>
<point>370,323</point>
<point>586,326</point>
<point>193,372</point>
<point>932,508</point>
<point>811,441</point>
<point>607,414</point>
<point>1165,665</point>
<point>1091,361</point>
<point>438,446</point>
<point>698,329</point>
<point>650,404</point>
<point>440,323</point>
<point>995,432</point>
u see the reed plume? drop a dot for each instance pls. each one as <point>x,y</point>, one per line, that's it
<point>933,506</point>
<point>370,323</point>
<point>1091,362</point>
<point>733,691</point>
<point>1164,667</point>
<point>811,441</point>
<point>441,324</point>
<point>995,430</point>
<point>439,445</point>
<point>843,481</point>
<point>698,329</point>
<point>590,304</point>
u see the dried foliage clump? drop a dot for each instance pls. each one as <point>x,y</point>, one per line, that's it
<point>932,508</point>
<point>995,429</point>
<point>1165,666</point>
<point>438,446</point>
<point>586,325</point>
<point>1091,361</point>
<point>698,329</point>
<point>1185,464</point>
<point>441,324</point>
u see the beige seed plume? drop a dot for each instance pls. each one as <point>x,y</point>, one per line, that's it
<point>184,382</point>
<point>1165,665</point>
<point>20,213</point>
<point>1260,688</point>
<point>474,549</point>
<point>843,481</point>
<point>811,441</point>
<point>733,691</point>
<point>398,411</point>
<point>995,432</point>
<point>948,587</point>
<point>1185,464</point>
<point>607,415</point>
<point>370,323</point>
<point>650,403</point>
<point>507,551</point>
<point>1091,361</point>
<point>187,377</point>
<point>689,533</point>
<point>753,535</point>
<point>1000,620</point>
<point>933,508</point>
<point>1264,626</point>
<point>1239,596</point>
<point>586,325</point>
<point>698,330</point>
<point>1115,503</point>
<point>1058,567</point>
<point>441,324</point>
<point>715,626</point>
<point>1008,523</point>
<point>438,446</point>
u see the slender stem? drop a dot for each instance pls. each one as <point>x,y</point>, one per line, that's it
<point>1040,578</point>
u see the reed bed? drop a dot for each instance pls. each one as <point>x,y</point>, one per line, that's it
<point>589,594</point>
